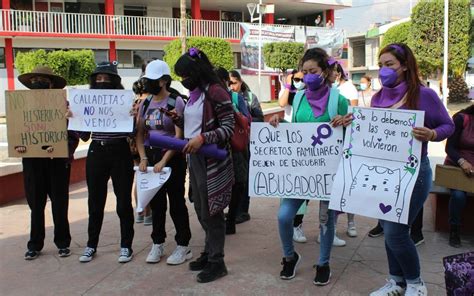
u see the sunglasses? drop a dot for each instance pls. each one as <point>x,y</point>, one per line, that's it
<point>297,79</point>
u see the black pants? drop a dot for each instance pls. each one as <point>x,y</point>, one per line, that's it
<point>174,188</point>
<point>45,177</point>
<point>417,226</point>
<point>103,162</point>
<point>241,169</point>
<point>244,203</point>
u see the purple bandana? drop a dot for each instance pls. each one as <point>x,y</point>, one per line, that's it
<point>387,97</point>
<point>318,99</point>
<point>194,95</point>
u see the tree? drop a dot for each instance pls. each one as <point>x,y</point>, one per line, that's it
<point>73,65</point>
<point>397,34</point>
<point>217,50</point>
<point>283,55</point>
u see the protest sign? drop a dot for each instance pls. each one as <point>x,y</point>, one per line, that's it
<point>148,184</point>
<point>101,110</point>
<point>294,160</point>
<point>36,120</point>
<point>380,164</point>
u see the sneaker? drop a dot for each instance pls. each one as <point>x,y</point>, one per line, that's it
<point>376,231</point>
<point>126,255</point>
<point>323,273</point>
<point>351,230</point>
<point>31,255</point>
<point>148,220</point>
<point>336,243</point>
<point>65,252</point>
<point>417,239</point>
<point>390,289</point>
<point>87,255</point>
<point>212,272</point>
<point>179,255</point>
<point>243,217</point>
<point>200,263</point>
<point>156,252</point>
<point>298,234</point>
<point>416,289</point>
<point>139,218</point>
<point>289,267</point>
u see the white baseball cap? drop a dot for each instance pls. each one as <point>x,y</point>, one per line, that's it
<point>156,69</point>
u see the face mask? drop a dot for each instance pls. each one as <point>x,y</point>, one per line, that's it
<point>363,86</point>
<point>104,85</point>
<point>313,81</point>
<point>299,85</point>
<point>40,85</point>
<point>151,86</point>
<point>189,83</point>
<point>388,76</point>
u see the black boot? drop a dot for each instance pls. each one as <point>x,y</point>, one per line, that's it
<point>200,263</point>
<point>229,226</point>
<point>212,272</point>
<point>454,239</point>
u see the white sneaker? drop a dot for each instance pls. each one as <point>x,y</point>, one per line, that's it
<point>180,255</point>
<point>351,230</point>
<point>126,255</point>
<point>298,234</point>
<point>87,255</point>
<point>416,290</point>
<point>390,289</point>
<point>155,254</point>
<point>336,243</point>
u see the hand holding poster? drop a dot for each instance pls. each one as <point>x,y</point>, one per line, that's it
<point>99,110</point>
<point>148,184</point>
<point>36,120</point>
<point>380,164</point>
<point>294,160</point>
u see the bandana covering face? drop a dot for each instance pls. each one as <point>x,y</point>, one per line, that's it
<point>318,99</point>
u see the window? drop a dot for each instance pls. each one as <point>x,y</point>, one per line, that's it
<point>134,10</point>
<point>101,55</point>
<point>125,58</point>
<point>144,56</point>
<point>237,60</point>
<point>2,57</point>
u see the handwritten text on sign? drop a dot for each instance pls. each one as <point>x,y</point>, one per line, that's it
<point>36,120</point>
<point>380,164</point>
<point>297,160</point>
<point>99,110</point>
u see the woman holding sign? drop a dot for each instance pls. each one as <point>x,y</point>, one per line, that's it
<point>315,104</point>
<point>153,119</point>
<point>208,119</point>
<point>402,89</point>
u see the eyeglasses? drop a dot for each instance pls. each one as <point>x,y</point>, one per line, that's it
<point>297,79</point>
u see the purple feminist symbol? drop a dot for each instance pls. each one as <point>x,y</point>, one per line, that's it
<point>320,135</point>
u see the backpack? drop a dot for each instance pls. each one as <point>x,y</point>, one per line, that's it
<point>333,102</point>
<point>240,140</point>
<point>170,105</point>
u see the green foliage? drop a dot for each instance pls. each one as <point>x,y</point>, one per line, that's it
<point>73,65</point>
<point>217,50</point>
<point>397,34</point>
<point>459,27</point>
<point>283,55</point>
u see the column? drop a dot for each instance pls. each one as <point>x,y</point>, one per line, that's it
<point>110,11</point>
<point>8,50</point>
<point>269,18</point>
<point>330,16</point>
<point>196,9</point>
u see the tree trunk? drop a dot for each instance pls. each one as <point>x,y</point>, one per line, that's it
<point>183,26</point>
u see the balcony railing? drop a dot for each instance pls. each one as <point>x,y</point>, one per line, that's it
<point>58,23</point>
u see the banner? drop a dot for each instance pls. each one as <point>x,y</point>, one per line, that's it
<point>36,120</point>
<point>380,164</point>
<point>294,160</point>
<point>148,184</point>
<point>330,40</point>
<point>101,110</point>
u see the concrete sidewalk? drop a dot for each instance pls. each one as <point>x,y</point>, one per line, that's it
<point>253,257</point>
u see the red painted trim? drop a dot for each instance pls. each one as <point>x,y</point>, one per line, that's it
<point>196,9</point>
<point>109,7</point>
<point>273,94</point>
<point>9,63</point>
<point>112,51</point>
<point>269,18</point>
<point>330,15</point>
<point>5,4</point>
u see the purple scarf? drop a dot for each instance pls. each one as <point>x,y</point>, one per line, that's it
<point>387,97</point>
<point>318,99</point>
<point>194,95</point>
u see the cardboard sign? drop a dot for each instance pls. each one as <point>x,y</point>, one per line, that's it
<point>380,164</point>
<point>294,160</point>
<point>453,178</point>
<point>101,110</point>
<point>148,184</point>
<point>36,119</point>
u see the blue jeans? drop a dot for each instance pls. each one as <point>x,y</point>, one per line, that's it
<point>403,261</point>
<point>286,214</point>
<point>457,202</point>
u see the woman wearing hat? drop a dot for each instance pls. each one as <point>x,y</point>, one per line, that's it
<point>154,121</point>
<point>45,177</point>
<point>109,156</point>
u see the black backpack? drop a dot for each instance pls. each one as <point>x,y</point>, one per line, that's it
<point>170,105</point>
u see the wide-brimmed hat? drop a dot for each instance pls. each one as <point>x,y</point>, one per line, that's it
<point>57,81</point>
<point>106,68</point>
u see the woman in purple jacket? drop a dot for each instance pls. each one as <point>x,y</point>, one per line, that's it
<point>402,89</point>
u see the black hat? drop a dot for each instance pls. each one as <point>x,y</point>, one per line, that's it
<point>57,81</point>
<point>106,68</point>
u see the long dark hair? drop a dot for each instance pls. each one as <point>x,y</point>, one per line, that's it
<point>244,87</point>
<point>320,56</point>
<point>406,58</point>
<point>468,110</point>
<point>195,63</point>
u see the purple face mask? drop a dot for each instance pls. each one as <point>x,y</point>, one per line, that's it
<point>388,76</point>
<point>313,81</point>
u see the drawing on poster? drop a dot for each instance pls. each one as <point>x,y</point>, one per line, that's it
<point>379,164</point>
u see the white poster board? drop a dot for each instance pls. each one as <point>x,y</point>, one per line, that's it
<point>294,160</point>
<point>380,164</point>
<point>100,110</point>
<point>148,184</point>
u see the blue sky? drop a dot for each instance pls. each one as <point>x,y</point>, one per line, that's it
<point>365,12</point>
